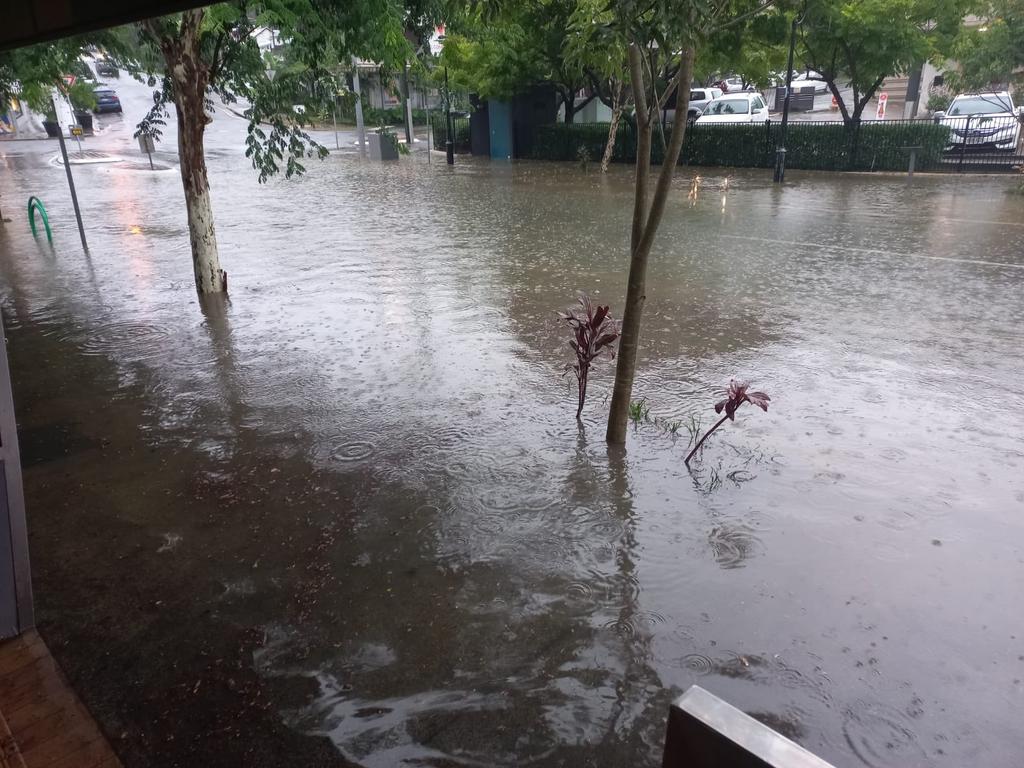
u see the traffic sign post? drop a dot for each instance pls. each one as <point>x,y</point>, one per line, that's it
<point>147,145</point>
<point>71,179</point>
<point>76,131</point>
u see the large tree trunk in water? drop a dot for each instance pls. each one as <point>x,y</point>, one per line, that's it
<point>190,77</point>
<point>613,129</point>
<point>645,226</point>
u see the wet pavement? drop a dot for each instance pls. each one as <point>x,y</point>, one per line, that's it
<point>351,514</point>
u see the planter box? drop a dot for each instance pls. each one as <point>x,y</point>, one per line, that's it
<point>52,128</point>
<point>84,119</point>
<point>381,148</point>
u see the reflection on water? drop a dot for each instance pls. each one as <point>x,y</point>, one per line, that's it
<point>386,480</point>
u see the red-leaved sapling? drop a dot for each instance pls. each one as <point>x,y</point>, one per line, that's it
<point>593,333</point>
<point>736,396</point>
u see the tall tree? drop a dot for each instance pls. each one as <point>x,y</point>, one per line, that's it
<point>213,50</point>
<point>197,54</point>
<point>990,54</point>
<point>662,41</point>
<point>594,47</point>
<point>501,52</point>
<point>862,42</point>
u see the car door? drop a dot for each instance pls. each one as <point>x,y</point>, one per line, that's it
<point>758,110</point>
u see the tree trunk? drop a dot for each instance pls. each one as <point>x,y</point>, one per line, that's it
<point>843,110</point>
<point>613,129</point>
<point>190,76</point>
<point>645,226</point>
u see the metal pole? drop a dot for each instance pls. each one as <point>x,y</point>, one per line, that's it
<point>150,160</point>
<point>780,152</point>
<point>334,114</point>
<point>449,144</point>
<point>408,108</point>
<point>71,179</point>
<point>360,128</point>
<point>430,140</point>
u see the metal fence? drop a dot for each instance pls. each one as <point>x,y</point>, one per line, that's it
<point>460,131</point>
<point>963,145</point>
<point>969,144</point>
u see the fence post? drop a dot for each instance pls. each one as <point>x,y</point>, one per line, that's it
<point>963,145</point>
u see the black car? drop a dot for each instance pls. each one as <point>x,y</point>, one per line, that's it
<point>105,68</point>
<point>106,100</point>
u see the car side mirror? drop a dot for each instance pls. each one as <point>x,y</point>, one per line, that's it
<point>939,115</point>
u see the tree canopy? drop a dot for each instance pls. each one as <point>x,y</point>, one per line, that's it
<point>862,42</point>
<point>991,54</point>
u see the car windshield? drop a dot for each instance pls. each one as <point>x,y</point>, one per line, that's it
<point>697,96</point>
<point>979,105</point>
<point>728,107</point>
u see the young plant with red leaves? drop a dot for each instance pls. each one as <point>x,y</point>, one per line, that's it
<point>593,333</point>
<point>736,396</point>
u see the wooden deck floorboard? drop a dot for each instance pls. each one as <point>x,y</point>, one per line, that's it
<point>42,722</point>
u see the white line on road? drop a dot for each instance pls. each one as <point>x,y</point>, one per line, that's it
<point>876,251</point>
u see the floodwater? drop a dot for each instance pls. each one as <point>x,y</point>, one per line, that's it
<point>353,504</point>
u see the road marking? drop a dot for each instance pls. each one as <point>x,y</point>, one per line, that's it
<point>876,251</point>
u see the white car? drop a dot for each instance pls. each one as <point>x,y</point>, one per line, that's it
<point>810,77</point>
<point>983,119</point>
<point>735,108</point>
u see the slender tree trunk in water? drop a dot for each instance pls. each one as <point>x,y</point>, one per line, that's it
<point>645,226</point>
<point>190,77</point>
<point>613,129</point>
<point>582,390</point>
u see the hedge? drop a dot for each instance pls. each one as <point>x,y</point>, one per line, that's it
<point>831,146</point>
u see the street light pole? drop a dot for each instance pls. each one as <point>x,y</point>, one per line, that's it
<point>449,144</point>
<point>780,152</point>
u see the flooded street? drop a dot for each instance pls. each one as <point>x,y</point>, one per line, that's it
<point>350,516</point>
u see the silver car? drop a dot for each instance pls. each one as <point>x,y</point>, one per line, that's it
<point>983,119</point>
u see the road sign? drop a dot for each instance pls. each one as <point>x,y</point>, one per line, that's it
<point>68,80</point>
<point>883,99</point>
<point>76,130</point>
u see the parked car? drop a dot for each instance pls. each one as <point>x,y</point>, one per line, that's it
<point>106,99</point>
<point>106,68</point>
<point>735,108</point>
<point>730,84</point>
<point>699,99</point>
<point>810,77</point>
<point>983,119</point>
